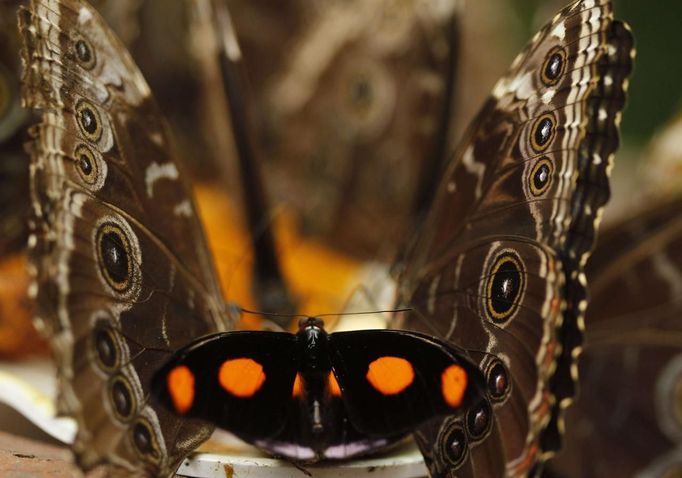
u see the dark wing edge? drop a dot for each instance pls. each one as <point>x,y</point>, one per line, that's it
<point>596,152</point>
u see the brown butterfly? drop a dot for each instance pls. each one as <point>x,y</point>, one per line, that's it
<point>120,267</point>
<point>351,105</point>
<point>17,336</point>
<point>497,268</point>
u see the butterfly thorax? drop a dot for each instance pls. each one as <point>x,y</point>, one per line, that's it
<point>313,349</point>
<point>312,383</point>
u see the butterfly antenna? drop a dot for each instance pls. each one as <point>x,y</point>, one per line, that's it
<point>277,318</point>
<point>269,288</point>
<point>363,312</point>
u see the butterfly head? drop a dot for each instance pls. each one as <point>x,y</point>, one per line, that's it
<point>310,323</point>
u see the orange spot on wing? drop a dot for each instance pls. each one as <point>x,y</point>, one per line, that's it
<point>242,377</point>
<point>453,384</point>
<point>334,387</point>
<point>390,375</point>
<point>180,382</point>
<point>297,390</point>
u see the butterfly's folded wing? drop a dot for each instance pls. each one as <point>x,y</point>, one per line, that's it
<point>357,130</point>
<point>121,271</point>
<point>626,420</point>
<point>497,267</point>
<point>394,380</point>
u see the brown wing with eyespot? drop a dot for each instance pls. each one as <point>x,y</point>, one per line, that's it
<point>497,266</point>
<point>501,301</point>
<point>121,269</point>
<point>14,121</point>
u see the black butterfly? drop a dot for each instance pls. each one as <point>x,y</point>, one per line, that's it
<point>314,395</point>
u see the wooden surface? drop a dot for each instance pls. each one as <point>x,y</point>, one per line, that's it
<point>24,458</point>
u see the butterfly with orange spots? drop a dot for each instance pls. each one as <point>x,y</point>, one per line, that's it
<point>312,395</point>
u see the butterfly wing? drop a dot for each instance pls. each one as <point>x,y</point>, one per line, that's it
<point>497,267</point>
<point>391,381</point>
<point>339,104</point>
<point>241,381</point>
<point>626,420</point>
<point>120,266</point>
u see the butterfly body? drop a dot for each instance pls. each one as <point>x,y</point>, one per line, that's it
<point>317,423</point>
<point>315,395</point>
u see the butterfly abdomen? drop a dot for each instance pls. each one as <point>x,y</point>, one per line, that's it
<point>314,387</point>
